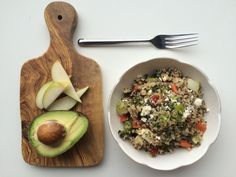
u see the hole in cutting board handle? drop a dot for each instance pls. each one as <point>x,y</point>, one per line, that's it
<point>61,20</point>
<point>59,17</point>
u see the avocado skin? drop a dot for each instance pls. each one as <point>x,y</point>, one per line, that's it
<point>76,125</point>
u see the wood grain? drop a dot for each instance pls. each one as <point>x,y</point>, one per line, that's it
<point>61,19</point>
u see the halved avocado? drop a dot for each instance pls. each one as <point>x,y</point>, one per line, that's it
<point>58,131</point>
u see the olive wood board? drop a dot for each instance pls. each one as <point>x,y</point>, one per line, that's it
<point>61,20</point>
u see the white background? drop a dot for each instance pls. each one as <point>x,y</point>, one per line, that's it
<point>24,35</point>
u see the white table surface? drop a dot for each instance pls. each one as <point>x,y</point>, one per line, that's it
<point>24,35</point>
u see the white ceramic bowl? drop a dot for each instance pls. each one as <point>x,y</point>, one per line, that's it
<point>180,157</point>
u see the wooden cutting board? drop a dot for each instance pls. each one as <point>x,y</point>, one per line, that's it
<point>61,19</point>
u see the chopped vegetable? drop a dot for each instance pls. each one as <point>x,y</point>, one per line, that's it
<point>122,107</point>
<point>154,98</point>
<point>174,88</point>
<point>185,144</point>
<point>149,136</point>
<point>127,125</point>
<point>136,124</point>
<point>196,139</point>
<point>153,151</point>
<point>193,85</point>
<point>123,118</point>
<point>138,142</point>
<point>179,108</point>
<point>201,126</point>
<point>164,119</point>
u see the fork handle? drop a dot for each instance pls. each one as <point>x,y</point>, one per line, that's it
<point>87,42</point>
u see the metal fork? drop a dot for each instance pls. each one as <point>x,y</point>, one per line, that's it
<point>160,41</point>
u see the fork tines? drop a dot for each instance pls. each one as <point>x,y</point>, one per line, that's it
<point>181,40</point>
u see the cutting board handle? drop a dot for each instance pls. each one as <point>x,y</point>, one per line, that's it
<point>61,19</point>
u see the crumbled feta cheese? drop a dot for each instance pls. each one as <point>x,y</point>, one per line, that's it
<point>151,116</point>
<point>149,92</point>
<point>166,99</point>
<point>145,100</point>
<point>167,108</point>
<point>198,102</point>
<point>165,77</point>
<point>187,112</point>
<point>143,119</point>
<point>146,110</point>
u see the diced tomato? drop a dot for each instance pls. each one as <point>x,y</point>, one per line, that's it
<point>136,124</point>
<point>174,88</point>
<point>123,118</point>
<point>185,144</point>
<point>201,126</point>
<point>153,151</point>
<point>154,98</point>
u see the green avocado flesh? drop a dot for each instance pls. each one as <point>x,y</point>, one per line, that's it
<point>74,123</point>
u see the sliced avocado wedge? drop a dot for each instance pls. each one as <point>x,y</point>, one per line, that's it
<point>74,123</point>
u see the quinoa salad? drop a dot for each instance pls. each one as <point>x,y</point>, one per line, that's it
<point>162,111</point>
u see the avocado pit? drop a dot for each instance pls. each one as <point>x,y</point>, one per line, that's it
<point>51,133</point>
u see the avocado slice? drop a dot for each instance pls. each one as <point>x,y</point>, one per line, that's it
<point>75,125</point>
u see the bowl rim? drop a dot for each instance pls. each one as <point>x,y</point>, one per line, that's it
<point>218,115</point>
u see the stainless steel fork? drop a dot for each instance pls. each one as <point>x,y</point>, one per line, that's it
<point>160,41</point>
